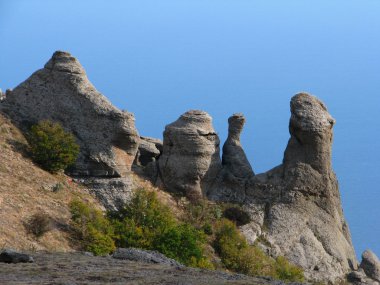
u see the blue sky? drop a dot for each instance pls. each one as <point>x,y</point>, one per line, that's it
<point>159,58</point>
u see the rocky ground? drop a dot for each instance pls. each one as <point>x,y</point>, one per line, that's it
<point>79,268</point>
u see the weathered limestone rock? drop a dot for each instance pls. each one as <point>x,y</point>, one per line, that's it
<point>310,128</point>
<point>149,151</point>
<point>231,181</point>
<point>234,159</point>
<point>371,265</point>
<point>190,159</point>
<point>295,207</point>
<point>112,193</point>
<point>61,92</point>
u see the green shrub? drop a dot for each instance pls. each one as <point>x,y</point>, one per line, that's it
<point>92,228</point>
<point>38,224</point>
<point>287,271</point>
<point>238,256</point>
<point>148,224</point>
<point>52,147</point>
<point>182,242</point>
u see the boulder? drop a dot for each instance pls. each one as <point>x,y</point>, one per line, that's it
<point>190,159</point>
<point>358,277</point>
<point>61,92</point>
<point>371,265</point>
<point>11,256</point>
<point>147,256</point>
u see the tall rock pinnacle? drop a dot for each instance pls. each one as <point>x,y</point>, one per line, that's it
<point>61,92</point>
<point>234,159</point>
<point>310,128</point>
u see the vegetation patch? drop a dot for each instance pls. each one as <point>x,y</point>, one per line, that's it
<point>52,147</point>
<point>38,224</point>
<point>194,240</point>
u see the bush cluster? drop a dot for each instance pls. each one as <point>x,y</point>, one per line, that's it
<point>92,228</point>
<point>38,224</point>
<point>52,147</point>
<point>238,256</point>
<point>146,223</point>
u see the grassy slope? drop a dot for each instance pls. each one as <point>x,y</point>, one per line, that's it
<point>26,189</point>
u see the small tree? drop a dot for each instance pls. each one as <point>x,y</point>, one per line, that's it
<point>52,147</point>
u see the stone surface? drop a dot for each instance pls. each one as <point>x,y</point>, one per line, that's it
<point>112,193</point>
<point>295,208</point>
<point>11,256</point>
<point>359,277</point>
<point>190,159</point>
<point>371,265</point>
<point>149,151</point>
<point>234,159</point>
<point>2,95</point>
<point>77,268</point>
<point>61,92</point>
<point>140,255</point>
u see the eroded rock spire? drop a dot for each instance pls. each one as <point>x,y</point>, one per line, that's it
<point>234,159</point>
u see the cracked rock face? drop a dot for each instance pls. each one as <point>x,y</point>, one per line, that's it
<point>61,92</point>
<point>190,159</point>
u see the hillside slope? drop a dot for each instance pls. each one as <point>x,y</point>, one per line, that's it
<point>25,190</point>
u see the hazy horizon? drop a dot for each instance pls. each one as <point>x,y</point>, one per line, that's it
<point>158,59</point>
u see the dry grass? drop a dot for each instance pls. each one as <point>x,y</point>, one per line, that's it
<point>25,190</point>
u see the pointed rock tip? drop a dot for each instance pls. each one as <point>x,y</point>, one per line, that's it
<point>63,61</point>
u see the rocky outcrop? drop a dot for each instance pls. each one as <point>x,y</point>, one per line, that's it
<point>149,151</point>
<point>190,159</point>
<point>61,92</point>
<point>295,208</point>
<point>370,265</point>
<point>11,256</point>
<point>147,256</point>
<point>112,193</point>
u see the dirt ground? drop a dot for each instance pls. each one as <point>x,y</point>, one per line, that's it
<point>78,268</point>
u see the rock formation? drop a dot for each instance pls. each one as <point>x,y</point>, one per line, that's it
<point>148,152</point>
<point>371,265</point>
<point>234,159</point>
<point>190,159</point>
<point>61,92</point>
<point>295,208</point>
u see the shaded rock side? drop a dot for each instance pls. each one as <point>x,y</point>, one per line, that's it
<point>371,265</point>
<point>295,208</point>
<point>234,159</point>
<point>236,169</point>
<point>190,159</point>
<point>61,92</point>
<point>11,256</point>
